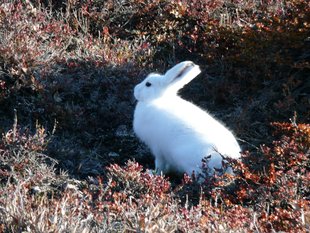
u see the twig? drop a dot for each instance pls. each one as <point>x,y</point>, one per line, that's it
<point>250,144</point>
<point>15,125</point>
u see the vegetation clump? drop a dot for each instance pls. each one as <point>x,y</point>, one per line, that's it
<point>71,162</point>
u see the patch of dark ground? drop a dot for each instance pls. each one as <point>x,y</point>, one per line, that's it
<point>94,106</point>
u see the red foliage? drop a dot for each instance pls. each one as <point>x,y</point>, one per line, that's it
<point>280,192</point>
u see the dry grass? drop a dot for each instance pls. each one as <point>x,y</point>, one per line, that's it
<point>34,198</point>
<point>75,63</point>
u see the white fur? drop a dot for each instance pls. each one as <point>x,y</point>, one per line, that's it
<point>179,133</point>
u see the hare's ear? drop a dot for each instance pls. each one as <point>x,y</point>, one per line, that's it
<point>181,74</point>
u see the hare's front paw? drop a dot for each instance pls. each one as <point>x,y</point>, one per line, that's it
<point>161,166</point>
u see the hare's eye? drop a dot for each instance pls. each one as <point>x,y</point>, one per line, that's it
<point>148,84</point>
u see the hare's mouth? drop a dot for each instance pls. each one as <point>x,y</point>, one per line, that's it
<point>185,69</point>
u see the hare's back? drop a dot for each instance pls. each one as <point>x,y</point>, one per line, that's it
<point>197,124</point>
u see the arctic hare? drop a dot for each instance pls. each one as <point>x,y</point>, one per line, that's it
<point>179,133</point>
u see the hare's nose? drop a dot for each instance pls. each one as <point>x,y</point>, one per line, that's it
<point>133,100</point>
<point>136,92</point>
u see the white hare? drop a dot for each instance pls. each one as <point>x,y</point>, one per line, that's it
<point>179,133</point>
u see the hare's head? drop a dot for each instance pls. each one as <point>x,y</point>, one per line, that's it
<point>155,85</point>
